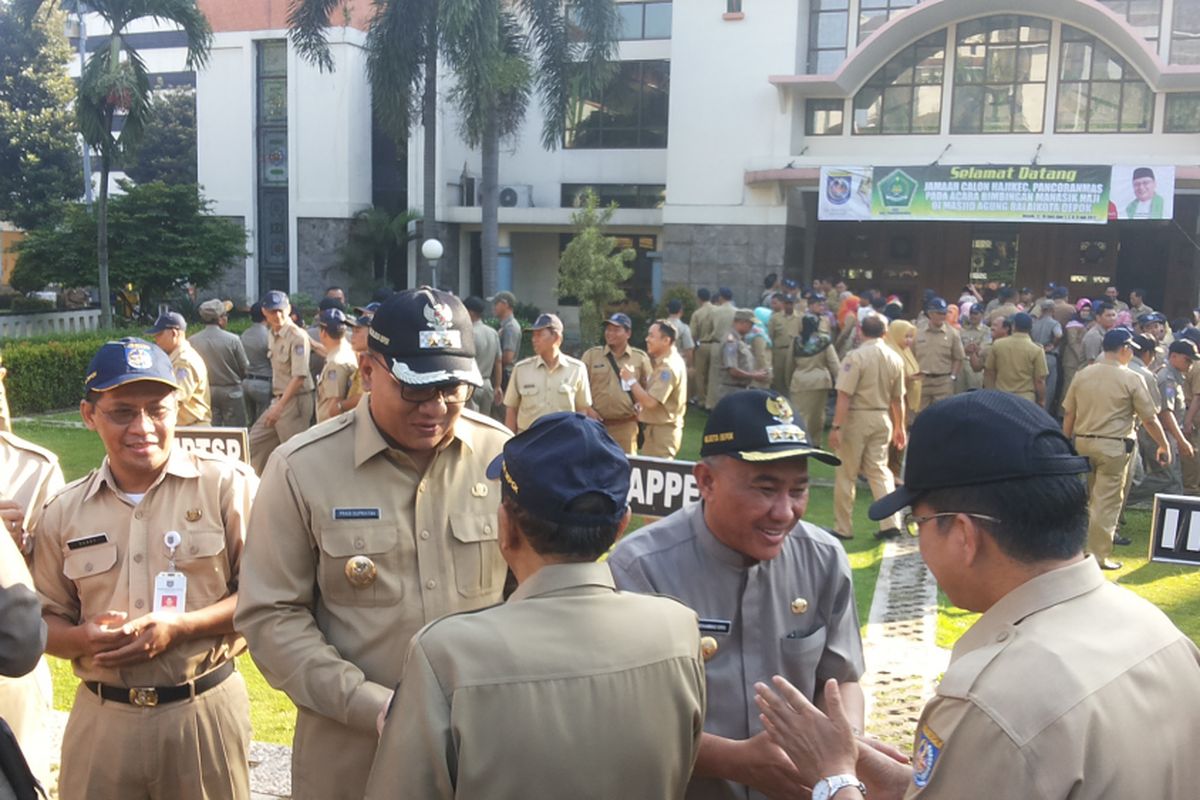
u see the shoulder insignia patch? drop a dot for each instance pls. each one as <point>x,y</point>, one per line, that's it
<point>298,349</point>
<point>929,747</point>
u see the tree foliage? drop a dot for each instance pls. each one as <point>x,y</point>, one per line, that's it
<point>377,238</point>
<point>167,151</point>
<point>591,268</point>
<point>39,155</point>
<point>161,237</point>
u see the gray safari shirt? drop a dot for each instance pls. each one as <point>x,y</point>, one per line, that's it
<point>793,616</point>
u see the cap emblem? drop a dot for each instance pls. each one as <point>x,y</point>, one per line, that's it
<point>438,316</point>
<point>137,355</point>
<point>785,433</point>
<point>780,409</point>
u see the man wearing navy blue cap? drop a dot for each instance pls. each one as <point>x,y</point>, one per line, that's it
<point>1101,410</point>
<point>374,524</point>
<point>137,565</point>
<point>339,367</point>
<point>570,688</point>
<point>291,409</point>
<point>774,593</point>
<point>939,352</point>
<point>191,373</point>
<point>612,399</point>
<point>1043,691</point>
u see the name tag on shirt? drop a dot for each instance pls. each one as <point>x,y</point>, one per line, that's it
<point>356,513</point>
<point>715,626</point>
<point>87,541</point>
<point>170,592</point>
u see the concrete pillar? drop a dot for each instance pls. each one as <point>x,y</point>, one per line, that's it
<point>656,275</point>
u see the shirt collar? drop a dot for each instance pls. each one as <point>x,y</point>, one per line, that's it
<point>557,577</point>
<point>710,544</point>
<point>179,463</point>
<point>369,441</point>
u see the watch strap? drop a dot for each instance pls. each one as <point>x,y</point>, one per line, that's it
<point>827,787</point>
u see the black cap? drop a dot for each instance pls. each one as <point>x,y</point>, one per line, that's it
<point>426,337</point>
<point>1191,334</point>
<point>125,361</point>
<point>936,305</point>
<point>559,458</point>
<point>169,321</point>
<point>1185,347</point>
<point>976,438</point>
<point>1142,342</point>
<point>758,425</point>
<point>1118,338</point>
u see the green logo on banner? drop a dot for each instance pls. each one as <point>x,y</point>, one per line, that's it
<point>898,189</point>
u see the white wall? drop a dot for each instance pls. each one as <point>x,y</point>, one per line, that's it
<point>535,269</point>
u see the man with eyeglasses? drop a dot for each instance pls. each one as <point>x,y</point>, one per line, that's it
<point>1043,691</point>
<point>371,526</point>
<point>137,566</point>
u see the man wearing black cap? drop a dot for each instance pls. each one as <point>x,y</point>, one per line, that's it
<point>191,373</point>
<point>373,525</point>
<point>487,356</point>
<point>773,593</point>
<point>702,331</point>
<point>137,566</point>
<point>570,688</point>
<point>1016,364</point>
<point>1101,410</point>
<point>738,367</point>
<point>546,382</point>
<point>291,409</point>
<point>1043,691</point>
<point>939,351</point>
<point>721,322</point>
<point>612,399</point>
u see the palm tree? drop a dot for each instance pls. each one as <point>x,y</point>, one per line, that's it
<point>375,236</point>
<point>115,82</point>
<point>500,51</point>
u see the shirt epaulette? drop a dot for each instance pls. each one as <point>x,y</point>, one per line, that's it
<point>236,464</point>
<point>70,487</point>
<point>316,433</point>
<point>29,447</point>
<point>960,681</point>
<point>475,416</point>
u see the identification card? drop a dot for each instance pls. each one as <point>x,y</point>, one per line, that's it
<point>170,592</point>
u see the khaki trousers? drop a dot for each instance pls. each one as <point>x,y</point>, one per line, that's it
<point>810,405</point>
<point>663,440</point>
<point>1106,488</point>
<point>194,749</point>
<point>330,761</point>
<point>229,406</point>
<point>713,388</point>
<point>782,367</point>
<point>624,434</point>
<point>698,379</point>
<point>933,390</point>
<point>1190,467</point>
<point>296,418</point>
<point>864,449</point>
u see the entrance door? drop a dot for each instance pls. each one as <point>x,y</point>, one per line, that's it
<point>1142,261</point>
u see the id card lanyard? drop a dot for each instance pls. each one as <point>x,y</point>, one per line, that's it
<point>170,587</point>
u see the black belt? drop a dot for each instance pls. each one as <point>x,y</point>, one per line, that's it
<point>157,695</point>
<point>938,374</point>
<point>868,409</point>
<point>1110,438</point>
<point>709,341</point>
<point>258,377</point>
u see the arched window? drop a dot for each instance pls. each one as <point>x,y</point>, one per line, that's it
<point>1000,67</point>
<point>905,96</point>
<point>1098,92</point>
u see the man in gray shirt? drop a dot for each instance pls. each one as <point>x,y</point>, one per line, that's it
<point>256,341</point>
<point>225,357</point>
<point>773,593</point>
<point>510,334</point>
<point>487,356</point>
<point>1047,332</point>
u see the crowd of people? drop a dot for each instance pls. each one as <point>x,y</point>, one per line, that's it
<point>450,603</point>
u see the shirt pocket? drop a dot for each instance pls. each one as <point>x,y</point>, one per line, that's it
<point>201,557</point>
<point>478,565</point>
<point>90,569</point>
<point>799,655</point>
<point>341,543</point>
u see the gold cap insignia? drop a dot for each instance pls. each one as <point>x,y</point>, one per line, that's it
<point>361,572</point>
<point>780,409</point>
<point>708,647</point>
<point>193,514</point>
<point>799,605</point>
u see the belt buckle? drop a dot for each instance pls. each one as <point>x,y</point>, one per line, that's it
<point>143,698</point>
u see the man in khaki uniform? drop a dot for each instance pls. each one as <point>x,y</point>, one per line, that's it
<point>341,364</point>
<point>663,400</point>
<point>377,523</point>
<point>868,417</point>
<point>703,334</point>
<point>738,368</point>
<point>612,403</point>
<point>1043,690</point>
<point>783,327</point>
<point>1006,305</point>
<point>773,592</point>
<point>487,356</point>
<point>191,374</point>
<point>291,409</point>
<point>1016,364</point>
<point>721,323</point>
<point>1190,467</point>
<point>976,337</point>
<point>547,381</point>
<point>491,702</point>
<point>227,364</point>
<point>137,568</point>
<point>939,351</point>
<point>1101,410</point>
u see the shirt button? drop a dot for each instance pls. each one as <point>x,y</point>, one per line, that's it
<point>430,584</point>
<point>1002,636</point>
<point>424,534</point>
<point>359,544</point>
<point>421,486</point>
<point>137,515</point>
<point>88,567</point>
<point>487,528</point>
<point>137,558</point>
<point>139,603</point>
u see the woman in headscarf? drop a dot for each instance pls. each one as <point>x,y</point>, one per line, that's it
<point>847,325</point>
<point>760,346</point>
<point>899,337</point>
<point>1072,356</point>
<point>816,372</point>
<point>952,316</point>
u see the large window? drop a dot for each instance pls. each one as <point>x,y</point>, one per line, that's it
<point>828,24</point>
<point>824,117</point>
<point>872,14</point>
<point>1183,113</point>
<point>625,195</point>
<point>1185,32</point>
<point>631,112</point>
<point>1143,16</point>
<point>645,20</point>
<point>272,150</point>
<point>1098,92</point>
<point>906,95</point>
<point>1000,67</point>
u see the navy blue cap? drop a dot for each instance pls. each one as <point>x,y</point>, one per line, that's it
<point>976,308</point>
<point>758,425</point>
<point>333,317</point>
<point>620,319</point>
<point>125,361</point>
<point>1118,338</point>
<point>559,458</point>
<point>1185,347</point>
<point>937,305</point>
<point>550,321</point>
<point>171,320</point>
<point>1022,321</point>
<point>1190,333</point>
<point>273,300</point>
<point>790,283</point>
<point>725,292</point>
<point>1153,316</point>
<point>976,438</point>
<point>426,337</point>
<point>816,297</point>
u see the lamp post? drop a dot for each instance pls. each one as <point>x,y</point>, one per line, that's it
<point>432,250</point>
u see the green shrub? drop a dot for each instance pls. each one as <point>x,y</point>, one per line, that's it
<point>46,373</point>
<point>31,305</point>
<point>684,295</point>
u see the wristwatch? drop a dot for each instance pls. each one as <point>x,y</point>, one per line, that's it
<point>828,787</point>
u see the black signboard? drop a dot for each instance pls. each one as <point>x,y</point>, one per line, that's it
<point>229,442</point>
<point>658,486</point>
<point>1175,533</point>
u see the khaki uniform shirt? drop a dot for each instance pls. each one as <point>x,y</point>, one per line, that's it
<point>256,341</point>
<point>722,320</point>
<point>736,353</point>
<point>783,328</point>
<point>335,498</point>
<point>1064,312</point>
<point>1005,311</point>
<point>290,348</point>
<point>936,352</point>
<point>223,355</point>
<point>1037,699</point>
<point>1018,362</point>
<point>980,336</point>
<point>702,324</point>
<point>1107,400</point>
<point>815,372</point>
<point>336,379</point>
<point>536,390</point>
<point>195,400</point>
<point>205,498</point>
<point>29,474</point>
<point>751,611</point>
<point>1171,387</point>
<point>873,376</point>
<point>609,400</point>
<point>668,385</point>
<point>1140,311</point>
<point>491,702</point>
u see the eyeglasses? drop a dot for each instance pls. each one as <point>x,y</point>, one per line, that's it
<point>453,394</point>
<point>913,523</point>
<point>125,415</point>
